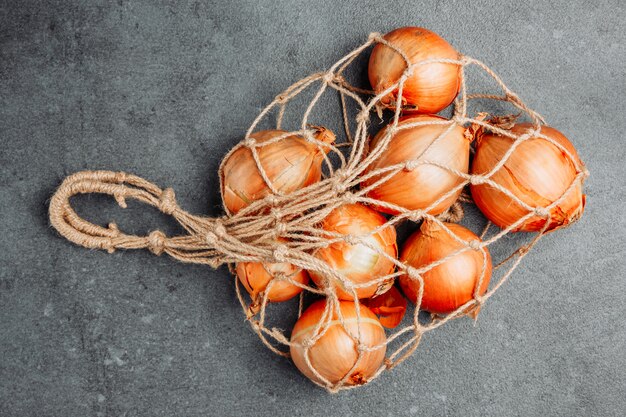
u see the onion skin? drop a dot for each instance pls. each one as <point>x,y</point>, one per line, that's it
<point>419,188</point>
<point>390,307</point>
<point>256,275</point>
<point>450,285</point>
<point>537,172</point>
<point>358,263</point>
<point>335,353</point>
<point>431,87</point>
<point>290,164</point>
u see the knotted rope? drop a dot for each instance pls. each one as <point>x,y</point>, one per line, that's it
<point>252,234</point>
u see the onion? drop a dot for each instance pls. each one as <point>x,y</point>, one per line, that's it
<point>419,186</point>
<point>537,172</point>
<point>389,307</point>
<point>358,263</point>
<point>453,283</point>
<point>334,354</point>
<point>431,87</point>
<point>255,277</point>
<point>290,164</point>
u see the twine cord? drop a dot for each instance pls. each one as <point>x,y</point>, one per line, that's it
<point>251,234</point>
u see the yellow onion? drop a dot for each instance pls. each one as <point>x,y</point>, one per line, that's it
<point>335,353</point>
<point>255,276</point>
<point>431,87</point>
<point>357,262</point>
<point>537,172</point>
<point>422,185</point>
<point>290,164</point>
<point>450,285</point>
<point>389,307</point>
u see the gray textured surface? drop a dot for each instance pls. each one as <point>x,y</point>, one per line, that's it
<point>163,90</point>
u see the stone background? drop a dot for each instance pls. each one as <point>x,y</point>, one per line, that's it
<point>163,89</point>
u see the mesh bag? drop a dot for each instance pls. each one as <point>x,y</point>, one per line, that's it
<point>285,228</point>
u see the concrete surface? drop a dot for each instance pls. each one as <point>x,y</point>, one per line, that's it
<point>162,89</point>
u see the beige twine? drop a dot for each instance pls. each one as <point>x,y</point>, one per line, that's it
<point>251,237</point>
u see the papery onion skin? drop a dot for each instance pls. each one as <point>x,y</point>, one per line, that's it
<point>537,172</point>
<point>450,285</point>
<point>419,188</point>
<point>431,87</point>
<point>358,263</point>
<point>255,276</point>
<point>390,307</point>
<point>335,353</point>
<point>290,164</point>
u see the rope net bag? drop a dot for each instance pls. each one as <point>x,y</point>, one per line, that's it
<point>286,228</point>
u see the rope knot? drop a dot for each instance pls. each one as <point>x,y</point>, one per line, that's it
<point>352,240</point>
<point>250,142</point>
<point>416,215</point>
<point>474,244</point>
<point>412,273</point>
<point>272,200</point>
<point>459,119</point>
<point>276,213</point>
<point>211,238</point>
<point>340,79</point>
<point>338,186</point>
<point>341,175</point>
<point>465,60</point>
<point>280,276</point>
<point>542,211</point>
<point>280,228</point>
<point>219,229</point>
<point>329,77</point>
<point>477,180</point>
<point>326,287</point>
<point>374,36</point>
<point>410,165</point>
<point>280,253</point>
<point>350,198</point>
<point>167,201</point>
<point>307,343</point>
<point>362,117</point>
<point>339,179</point>
<point>156,242</point>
